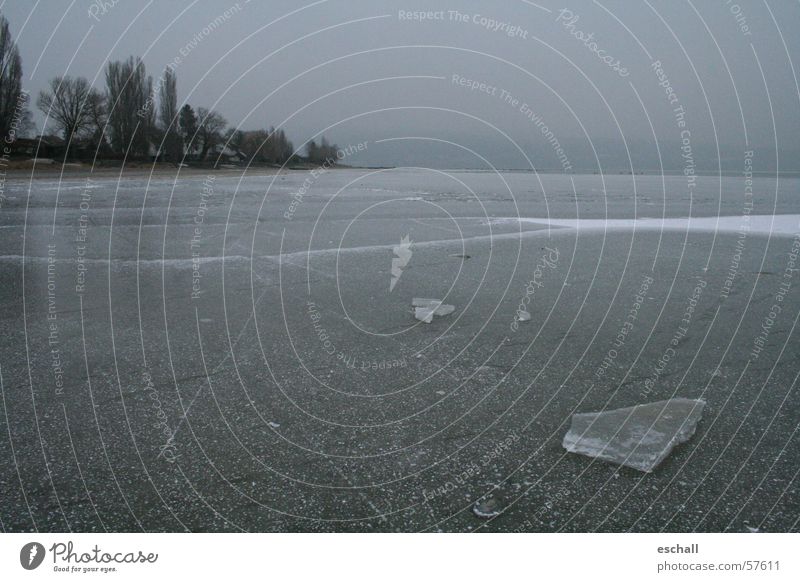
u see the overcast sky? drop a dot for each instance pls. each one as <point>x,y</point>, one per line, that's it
<point>364,70</point>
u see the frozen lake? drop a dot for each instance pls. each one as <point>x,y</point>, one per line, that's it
<point>217,352</point>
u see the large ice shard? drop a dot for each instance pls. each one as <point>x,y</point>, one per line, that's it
<point>638,436</point>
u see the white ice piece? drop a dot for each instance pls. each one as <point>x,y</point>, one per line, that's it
<point>637,436</point>
<point>425,309</point>
<point>523,316</point>
<point>424,314</point>
<point>488,507</point>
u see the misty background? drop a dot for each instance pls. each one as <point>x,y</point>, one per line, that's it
<point>359,71</point>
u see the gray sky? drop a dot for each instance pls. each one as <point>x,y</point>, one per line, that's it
<point>333,65</point>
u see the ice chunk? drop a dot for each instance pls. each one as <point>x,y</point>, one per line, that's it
<point>425,309</point>
<point>424,314</point>
<point>638,436</point>
<point>523,316</point>
<point>436,305</point>
<point>419,302</point>
<point>488,507</point>
<point>444,309</point>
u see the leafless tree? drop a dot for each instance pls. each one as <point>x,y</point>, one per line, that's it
<point>188,125</point>
<point>73,106</point>
<point>168,116</point>
<point>322,153</point>
<point>210,127</point>
<point>130,106</point>
<point>98,113</point>
<point>269,146</point>
<point>13,101</point>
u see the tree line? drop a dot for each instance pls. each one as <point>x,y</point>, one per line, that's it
<point>134,119</point>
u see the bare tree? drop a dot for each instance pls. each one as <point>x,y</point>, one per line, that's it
<point>270,146</point>
<point>252,145</point>
<point>13,101</point>
<point>25,126</point>
<point>327,151</point>
<point>130,112</point>
<point>312,152</point>
<point>234,138</point>
<point>210,127</point>
<point>188,123</point>
<point>322,153</point>
<point>168,116</point>
<point>285,148</point>
<point>72,105</point>
<point>98,113</point>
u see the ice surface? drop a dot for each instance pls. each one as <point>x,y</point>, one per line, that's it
<point>638,436</point>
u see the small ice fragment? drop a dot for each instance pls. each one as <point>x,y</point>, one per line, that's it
<point>274,424</point>
<point>752,529</point>
<point>441,392</point>
<point>488,507</point>
<point>444,309</point>
<point>638,436</point>
<point>424,314</point>
<point>523,316</point>
<point>427,303</point>
<point>434,305</point>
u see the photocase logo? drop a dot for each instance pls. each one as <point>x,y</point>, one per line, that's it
<point>402,254</point>
<point>31,555</point>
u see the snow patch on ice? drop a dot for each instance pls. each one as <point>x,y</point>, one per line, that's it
<point>763,224</point>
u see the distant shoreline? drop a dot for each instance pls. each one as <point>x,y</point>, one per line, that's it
<point>19,169</point>
<point>45,170</point>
